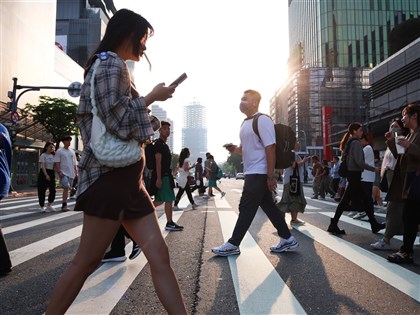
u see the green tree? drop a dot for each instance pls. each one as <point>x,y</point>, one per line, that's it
<point>56,115</point>
<point>235,159</point>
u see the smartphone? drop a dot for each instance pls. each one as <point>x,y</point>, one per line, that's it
<point>180,79</point>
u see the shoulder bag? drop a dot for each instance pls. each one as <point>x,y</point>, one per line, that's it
<point>108,149</point>
<point>294,184</point>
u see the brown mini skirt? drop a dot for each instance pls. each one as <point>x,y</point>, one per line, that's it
<point>120,190</point>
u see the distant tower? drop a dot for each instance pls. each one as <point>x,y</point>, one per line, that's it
<point>162,115</point>
<point>194,131</point>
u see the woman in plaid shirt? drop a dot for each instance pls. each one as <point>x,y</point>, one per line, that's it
<point>113,196</point>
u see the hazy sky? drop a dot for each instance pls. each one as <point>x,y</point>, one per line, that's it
<point>225,47</point>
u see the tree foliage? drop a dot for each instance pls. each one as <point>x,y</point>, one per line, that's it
<point>235,159</point>
<point>56,115</point>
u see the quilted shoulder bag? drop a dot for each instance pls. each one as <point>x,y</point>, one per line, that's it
<point>108,149</point>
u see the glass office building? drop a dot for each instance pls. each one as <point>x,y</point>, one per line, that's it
<point>333,45</point>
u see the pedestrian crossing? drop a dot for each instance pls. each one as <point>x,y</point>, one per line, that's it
<point>259,288</point>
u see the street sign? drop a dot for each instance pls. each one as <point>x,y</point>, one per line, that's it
<point>74,89</point>
<point>14,117</point>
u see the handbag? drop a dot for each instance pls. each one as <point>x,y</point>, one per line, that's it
<point>412,185</point>
<point>383,184</point>
<point>294,184</point>
<point>108,149</point>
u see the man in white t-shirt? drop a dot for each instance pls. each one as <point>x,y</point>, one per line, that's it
<point>66,167</point>
<point>259,157</point>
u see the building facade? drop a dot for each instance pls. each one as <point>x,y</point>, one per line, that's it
<point>333,45</point>
<point>160,113</point>
<point>194,131</point>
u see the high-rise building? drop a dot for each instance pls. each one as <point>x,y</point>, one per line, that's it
<point>333,45</point>
<point>160,113</point>
<point>194,131</point>
<point>80,25</point>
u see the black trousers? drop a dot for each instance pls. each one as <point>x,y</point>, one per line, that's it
<point>118,243</point>
<point>411,219</point>
<point>256,194</point>
<point>44,184</point>
<point>355,197</point>
<point>187,189</point>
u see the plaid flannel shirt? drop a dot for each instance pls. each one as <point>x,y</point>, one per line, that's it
<point>124,116</point>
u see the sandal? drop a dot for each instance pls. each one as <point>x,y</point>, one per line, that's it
<point>400,258</point>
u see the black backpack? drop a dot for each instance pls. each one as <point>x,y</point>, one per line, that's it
<point>285,141</point>
<point>342,170</point>
<point>149,151</point>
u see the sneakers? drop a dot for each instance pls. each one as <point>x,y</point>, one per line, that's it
<point>206,197</point>
<point>223,194</point>
<point>285,245</point>
<point>50,208</point>
<point>226,249</point>
<point>64,207</point>
<point>360,215</point>
<point>381,245</point>
<point>194,206</point>
<point>172,226</point>
<point>297,222</point>
<point>43,209</point>
<point>111,257</point>
<point>136,251</point>
<point>351,214</point>
<point>176,208</point>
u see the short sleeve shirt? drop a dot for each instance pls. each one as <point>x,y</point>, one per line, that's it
<point>67,160</point>
<point>48,160</point>
<point>162,148</point>
<point>253,150</point>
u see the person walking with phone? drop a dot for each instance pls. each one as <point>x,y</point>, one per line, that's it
<point>259,158</point>
<point>46,177</point>
<point>109,196</point>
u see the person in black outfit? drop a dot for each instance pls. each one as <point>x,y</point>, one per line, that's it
<point>353,153</point>
<point>46,177</point>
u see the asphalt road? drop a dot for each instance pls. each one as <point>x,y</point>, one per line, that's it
<point>325,275</point>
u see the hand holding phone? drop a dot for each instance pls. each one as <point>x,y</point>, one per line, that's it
<point>180,79</point>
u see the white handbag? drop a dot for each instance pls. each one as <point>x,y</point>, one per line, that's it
<point>107,148</point>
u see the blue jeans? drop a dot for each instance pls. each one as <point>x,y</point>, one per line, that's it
<point>256,194</point>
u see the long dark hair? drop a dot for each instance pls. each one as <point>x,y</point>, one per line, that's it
<point>124,24</point>
<point>185,152</point>
<point>47,144</point>
<point>352,128</point>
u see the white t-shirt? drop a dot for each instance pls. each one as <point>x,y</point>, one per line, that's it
<point>183,174</point>
<point>388,162</point>
<point>48,160</point>
<point>368,176</point>
<point>67,160</point>
<point>253,150</point>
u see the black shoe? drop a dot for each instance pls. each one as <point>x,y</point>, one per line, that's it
<point>377,227</point>
<point>112,257</point>
<point>333,228</point>
<point>136,251</point>
<point>400,258</point>
<point>172,226</point>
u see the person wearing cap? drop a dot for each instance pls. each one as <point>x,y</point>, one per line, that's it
<point>66,167</point>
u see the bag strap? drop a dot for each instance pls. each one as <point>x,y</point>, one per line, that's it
<point>101,56</point>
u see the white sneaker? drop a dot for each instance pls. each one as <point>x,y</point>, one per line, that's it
<point>50,208</point>
<point>360,215</point>
<point>176,208</point>
<point>226,249</point>
<point>285,245</point>
<point>42,209</point>
<point>381,245</point>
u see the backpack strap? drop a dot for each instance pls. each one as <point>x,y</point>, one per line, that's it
<point>255,123</point>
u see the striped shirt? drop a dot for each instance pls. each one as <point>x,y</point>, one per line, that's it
<point>124,116</point>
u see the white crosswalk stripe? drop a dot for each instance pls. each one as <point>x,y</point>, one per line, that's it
<point>258,286</point>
